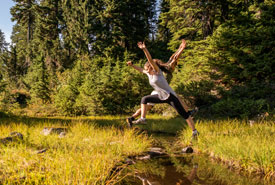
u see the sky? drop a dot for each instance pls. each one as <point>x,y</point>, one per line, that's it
<point>5,18</point>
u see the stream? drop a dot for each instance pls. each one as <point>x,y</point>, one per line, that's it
<point>168,165</point>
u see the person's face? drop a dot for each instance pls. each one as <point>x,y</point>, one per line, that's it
<point>147,68</point>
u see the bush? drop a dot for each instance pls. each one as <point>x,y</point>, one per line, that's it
<point>239,107</point>
<point>198,93</point>
<point>101,86</point>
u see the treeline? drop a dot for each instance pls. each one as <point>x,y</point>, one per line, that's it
<point>70,55</point>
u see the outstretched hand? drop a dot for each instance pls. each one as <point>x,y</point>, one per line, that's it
<point>141,45</point>
<point>129,63</point>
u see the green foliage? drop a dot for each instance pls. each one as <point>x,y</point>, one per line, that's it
<point>68,92</point>
<point>74,52</point>
<point>3,48</point>
<point>3,43</point>
<point>2,85</point>
<point>38,81</point>
<point>24,15</point>
<point>198,93</point>
<point>109,89</point>
<point>235,50</point>
<point>244,53</point>
<point>239,107</point>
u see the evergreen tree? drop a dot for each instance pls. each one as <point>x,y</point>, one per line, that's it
<point>2,83</point>
<point>76,26</point>
<point>119,25</point>
<point>243,46</point>
<point>3,43</point>
<point>24,15</point>
<point>46,34</point>
<point>3,48</point>
<point>193,20</point>
<point>38,81</point>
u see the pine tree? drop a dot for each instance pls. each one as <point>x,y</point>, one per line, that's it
<point>243,47</point>
<point>3,49</point>
<point>23,14</point>
<point>46,34</point>
<point>38,81</point>
<point>119,25</point>
<point>3,43</point>
<point>75,27</point>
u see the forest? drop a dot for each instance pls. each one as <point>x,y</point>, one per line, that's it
<point>68,57</point>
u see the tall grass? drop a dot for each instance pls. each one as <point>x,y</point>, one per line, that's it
<point>242,146</point>
<point>86,155</point>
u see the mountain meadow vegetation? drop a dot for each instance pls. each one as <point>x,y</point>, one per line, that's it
<point>66,67</point>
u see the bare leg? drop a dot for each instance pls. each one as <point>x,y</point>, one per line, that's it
<point>191,123</point>
<point>173,62</point>
<point>179,51</point>
<point>143,110</point>
<point>138,112</point>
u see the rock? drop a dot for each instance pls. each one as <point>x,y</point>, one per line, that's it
<point>14,136</point>
<point>62,134</point>
<point>187,150</point>
<point>129,161</point>
<point>54,130</point>
<point>42,151</point>
<point>17,135</point>
<point>145,157</point>
<point>155,152</point>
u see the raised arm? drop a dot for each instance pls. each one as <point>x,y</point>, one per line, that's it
<point>142,46</point>
<point>130,63</point>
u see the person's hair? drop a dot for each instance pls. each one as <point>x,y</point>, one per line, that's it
<point>160,64</point>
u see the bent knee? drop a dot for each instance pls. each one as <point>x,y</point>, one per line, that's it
<point>144,100</point>
<point>185,115</point>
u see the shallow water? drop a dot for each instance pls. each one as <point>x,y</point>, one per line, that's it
<point>183,169</point>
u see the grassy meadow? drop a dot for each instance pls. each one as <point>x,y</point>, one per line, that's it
<point>93,146</point>
<point>86,155</point>
<point>243,146</point>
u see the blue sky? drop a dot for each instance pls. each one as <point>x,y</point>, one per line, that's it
<point>5,18</point>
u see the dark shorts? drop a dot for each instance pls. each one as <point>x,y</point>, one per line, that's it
<point>172,100</point>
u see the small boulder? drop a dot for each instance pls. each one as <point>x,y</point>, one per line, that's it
<point>145,157</point>
<point>54,130</point>
<point>41,151</point>
<point>155,152</point>
<point>62,134</point>
<point>188,149</point>
<point>14,136</point>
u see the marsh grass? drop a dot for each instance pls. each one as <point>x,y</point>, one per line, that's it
<point>86,155</point>
<point>245,147</point>
<point>165,125</point>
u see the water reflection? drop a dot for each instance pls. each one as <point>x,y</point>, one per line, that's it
<point>171,176</point>
<point>184,170</point>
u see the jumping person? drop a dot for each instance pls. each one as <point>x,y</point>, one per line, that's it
<point>168,68</point>
<point>165,93</point>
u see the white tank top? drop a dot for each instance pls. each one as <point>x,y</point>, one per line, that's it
<point>160,84</point>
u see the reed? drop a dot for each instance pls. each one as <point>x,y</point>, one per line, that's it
<point>245,147</point>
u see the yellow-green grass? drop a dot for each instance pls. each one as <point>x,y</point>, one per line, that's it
<point>164,124</point>
<point>86,155</point>
<point>250,148</point>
